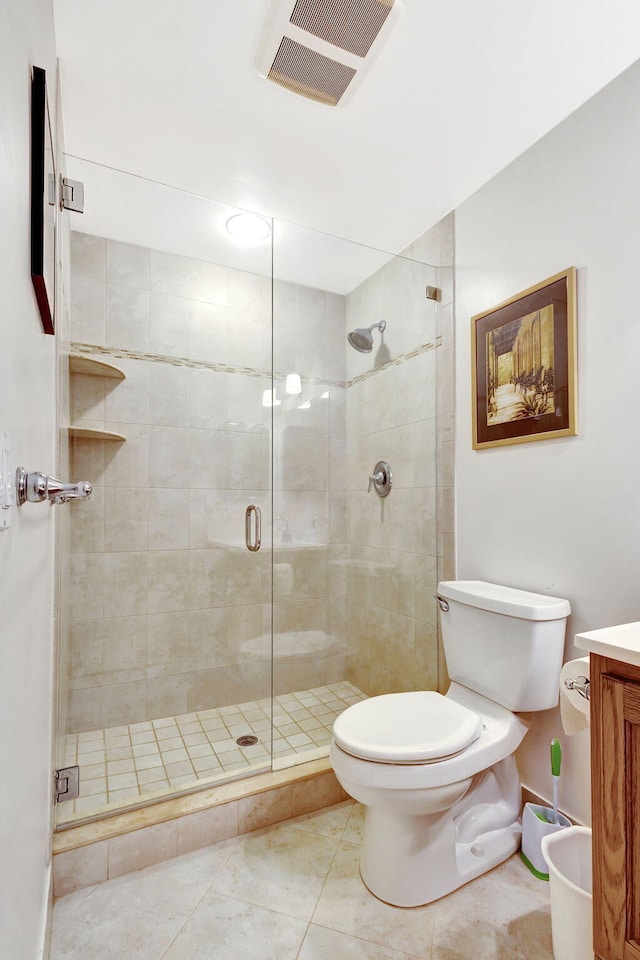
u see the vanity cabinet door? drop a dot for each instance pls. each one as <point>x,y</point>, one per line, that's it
<point>615,755</point>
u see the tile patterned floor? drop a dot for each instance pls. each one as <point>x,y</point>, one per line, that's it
<point>293,892</point>
<point>121,765</point>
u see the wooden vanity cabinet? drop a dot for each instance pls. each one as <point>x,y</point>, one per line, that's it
<point>615,785</point>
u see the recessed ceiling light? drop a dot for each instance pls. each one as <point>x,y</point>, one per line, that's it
<point>248,227</point>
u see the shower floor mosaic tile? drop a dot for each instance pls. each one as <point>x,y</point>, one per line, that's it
<point>122,765</point>
<point>293,892</point>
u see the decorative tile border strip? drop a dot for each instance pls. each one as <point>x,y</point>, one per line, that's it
<point>396,361</point>
<point>90,349</point>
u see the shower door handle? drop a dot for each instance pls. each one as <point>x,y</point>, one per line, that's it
<point>253,545</point>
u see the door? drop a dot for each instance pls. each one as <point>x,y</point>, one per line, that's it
<point>166,679</point>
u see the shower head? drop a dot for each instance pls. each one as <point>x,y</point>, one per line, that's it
<point>362,340</point>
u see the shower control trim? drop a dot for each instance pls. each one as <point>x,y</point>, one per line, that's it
<point>38,487</point>
<point>381,479</point>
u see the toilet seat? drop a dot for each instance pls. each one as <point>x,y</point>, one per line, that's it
<point>406,728</point>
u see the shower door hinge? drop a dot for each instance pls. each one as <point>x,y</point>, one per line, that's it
<point>71,195</point>
<point>67,783</point>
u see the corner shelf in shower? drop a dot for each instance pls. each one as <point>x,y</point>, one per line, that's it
<point>90,433</point>
<point>79,363</point>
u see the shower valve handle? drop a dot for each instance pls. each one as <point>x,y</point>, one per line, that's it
<point>375,478</point>
<point>380,480</point>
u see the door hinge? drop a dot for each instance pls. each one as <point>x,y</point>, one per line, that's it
<point>67,783</point>
<point>71,195</point>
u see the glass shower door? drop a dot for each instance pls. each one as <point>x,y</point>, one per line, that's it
<point>165,624</point>
<point>354,573</point>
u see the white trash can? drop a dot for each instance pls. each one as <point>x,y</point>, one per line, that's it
<point>568,856</point>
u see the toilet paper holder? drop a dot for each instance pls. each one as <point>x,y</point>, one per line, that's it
<point>581,685</point>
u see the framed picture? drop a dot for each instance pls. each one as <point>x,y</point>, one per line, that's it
<point>43,201</point>
<point>524,365</point>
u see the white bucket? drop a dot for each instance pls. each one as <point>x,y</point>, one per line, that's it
<point>568,856</point>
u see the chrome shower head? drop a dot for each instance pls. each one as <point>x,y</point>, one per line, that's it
<point>362,340</point>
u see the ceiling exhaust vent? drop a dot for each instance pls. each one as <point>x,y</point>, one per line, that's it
<point>323,50</point>
<point>304,71</point>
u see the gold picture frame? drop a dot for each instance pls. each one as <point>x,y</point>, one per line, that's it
<point>524,366</point>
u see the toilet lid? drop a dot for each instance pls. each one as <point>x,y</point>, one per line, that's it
<point>413,727</point>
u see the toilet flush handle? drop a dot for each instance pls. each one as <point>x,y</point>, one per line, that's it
<point>442,603</point>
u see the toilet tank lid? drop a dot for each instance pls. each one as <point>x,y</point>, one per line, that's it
<point>506,600</point>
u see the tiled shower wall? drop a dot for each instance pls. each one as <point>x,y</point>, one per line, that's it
<point>309,489</point>
<point>400,545</point>
<point>164,594</point>
<point>170,613</point>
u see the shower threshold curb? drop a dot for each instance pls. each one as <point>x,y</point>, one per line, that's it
<point>74,836</point>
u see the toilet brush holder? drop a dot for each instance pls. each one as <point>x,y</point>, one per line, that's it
<point>536,824</point>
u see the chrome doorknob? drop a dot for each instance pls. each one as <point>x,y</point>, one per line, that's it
<point>38,487</point>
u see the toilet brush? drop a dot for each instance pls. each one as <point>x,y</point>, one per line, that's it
<point>541,821</point>
<point>556,757</point>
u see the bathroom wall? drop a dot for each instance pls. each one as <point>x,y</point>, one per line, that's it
<point>561,516</point>
<point>28,414</point>
<point>392,407</point>
<point>164,592</point>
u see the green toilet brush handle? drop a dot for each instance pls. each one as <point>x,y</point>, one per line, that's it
<point>556,758</point>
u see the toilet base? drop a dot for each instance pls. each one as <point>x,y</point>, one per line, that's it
<point>409,860</point>
<point>418,882</point>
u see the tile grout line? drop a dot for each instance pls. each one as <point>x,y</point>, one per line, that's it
<point>333,860</point>
<point>186,920</point>
<point>303,940</point>
<point>90,890</point>
<point>286,703</point>
<point>340,693</point>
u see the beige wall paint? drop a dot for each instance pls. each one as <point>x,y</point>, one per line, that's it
<point>28,413</point>
<point>561,516</point>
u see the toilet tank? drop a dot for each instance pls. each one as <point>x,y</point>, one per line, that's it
<point>505,644</point>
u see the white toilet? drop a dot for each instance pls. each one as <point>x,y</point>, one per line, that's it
<point>437,773</point>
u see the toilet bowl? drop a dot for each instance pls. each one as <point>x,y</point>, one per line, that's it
<point>437,774</point>
<point>432,824</point>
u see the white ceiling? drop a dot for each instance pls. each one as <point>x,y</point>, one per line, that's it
<point>134,210</point>
<point>167,90</point>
